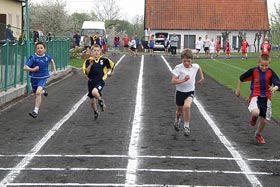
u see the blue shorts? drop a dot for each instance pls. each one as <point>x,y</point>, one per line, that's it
<point>182,96</point>
<point>116,45</point>
<point>99,85</point>
<point>38,82</point>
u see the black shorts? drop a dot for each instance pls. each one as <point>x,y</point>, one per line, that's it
<point>182,96</point>
<point>99,85</point>
<point>206,48</point>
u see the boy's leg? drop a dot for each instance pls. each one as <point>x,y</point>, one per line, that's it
<point>187,115</point>
<point>177,121</point>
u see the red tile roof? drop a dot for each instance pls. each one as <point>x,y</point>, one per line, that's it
<point>206,15</point>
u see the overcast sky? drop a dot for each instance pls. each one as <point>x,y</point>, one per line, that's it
<point>129,8</point>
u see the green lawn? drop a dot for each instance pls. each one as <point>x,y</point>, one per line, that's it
<point>227,72</point>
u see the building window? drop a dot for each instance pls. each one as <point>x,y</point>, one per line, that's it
<point>234,42</point>
<point>189,41</point>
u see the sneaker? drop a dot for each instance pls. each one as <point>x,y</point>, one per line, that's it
<point>253,120</point>
<point>45,92</point>
<point>260,139</point>
<point>96,115</point>
<point>177,125</point>
<point>187,131</point>
<point>33,114</point>
<point>102,105</point>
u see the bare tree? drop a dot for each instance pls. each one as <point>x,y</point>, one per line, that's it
<point>107,10</point>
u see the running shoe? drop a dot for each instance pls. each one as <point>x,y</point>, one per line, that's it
<point>259,139</point>
<point>96,115</point>
<point>102,105</point>
<point>45,92</point>
<point>177,125</point>
<point>253,120</point>
<point>187,131</point>
<point>33,114</point>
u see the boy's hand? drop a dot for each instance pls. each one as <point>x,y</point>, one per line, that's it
<point>237,92</point>
<point>187,77</point>
<point>36,68</point>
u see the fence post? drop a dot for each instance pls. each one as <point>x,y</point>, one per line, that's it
<point>6,65</point>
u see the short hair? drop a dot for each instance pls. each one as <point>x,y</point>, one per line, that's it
<point>187,53</point>
<point>95,45</point>
<point>264,57</point>
<point>40,43</point>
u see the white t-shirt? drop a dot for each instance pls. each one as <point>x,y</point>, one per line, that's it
<point>180,71</point>
<point>199,44</point>
<point>212,47</point>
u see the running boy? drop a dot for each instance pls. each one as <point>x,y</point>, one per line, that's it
<point>37,65</point>
<point>262,78</point>
<point>96,68</point>
<point>184,76</point>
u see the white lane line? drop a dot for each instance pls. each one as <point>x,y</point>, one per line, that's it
<point>241,162</point>
<point>27,159</point>
<point>229,65</point>
<point>130,178</point>
<point>143,169</point>
<point>143,157</point>
<point>106,185</point>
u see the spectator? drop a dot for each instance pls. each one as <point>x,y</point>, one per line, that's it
<point>9,33</point>
<point>244,45</point>
<point>206,44</point>
<point>86,41</point>
<point>125,42</point>
<point>174,39</point>
<point>116,41</point>
<point>198,46</point>
<point>77,39</point>
<point>265,47</point>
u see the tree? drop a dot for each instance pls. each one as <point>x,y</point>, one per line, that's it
<point>78,18</point>
<point>50,16</point>
<point>106,10</point>
<point>274,33</point>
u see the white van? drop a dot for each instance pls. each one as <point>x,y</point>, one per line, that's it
<point>91,27</point>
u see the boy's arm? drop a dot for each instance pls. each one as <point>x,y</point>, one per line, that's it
<point>27,68</point>
<point>54,67</point>
<point>200,72</point>
<point>237,91</point>
<point>175,79</point>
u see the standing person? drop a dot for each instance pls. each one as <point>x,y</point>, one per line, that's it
<point>227,49</point>
<point>265,47</point>
<point>116,41</point>
<point>96,69</point>
<point>132,47</point>
<point>77,39</point>
<point>198,46</point>
<point>218,47</point>
<point>9,33</point>
<point>244,45</point>
<point>206,44</point>
<point>262,78</point>
<point>166,44</point>
<point>212,48</point>
<point>174,39</point>
<point>37,65</point>
<point>137,43</point>
<point>87,41</point>
<point>184,77</point>
<point>126,40</point>
<point>151,44</point>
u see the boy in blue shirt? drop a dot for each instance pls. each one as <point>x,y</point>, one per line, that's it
<point>37,65</point>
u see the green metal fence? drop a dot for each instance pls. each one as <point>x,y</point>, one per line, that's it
<point>13,56</point>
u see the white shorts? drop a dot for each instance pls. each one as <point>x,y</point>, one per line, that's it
<point>262,104</point>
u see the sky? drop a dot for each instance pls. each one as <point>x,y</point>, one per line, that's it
<point>129,8</point>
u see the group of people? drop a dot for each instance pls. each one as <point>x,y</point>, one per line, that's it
<point>264,82</point>
<point>130,45</point>
<point>96,67</point>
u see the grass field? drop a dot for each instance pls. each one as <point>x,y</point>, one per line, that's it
<point>227,72</point>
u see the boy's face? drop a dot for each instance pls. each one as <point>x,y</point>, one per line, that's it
<point>40,49</point>
<point>264,65</point>
<point>95,52</point>
<point>187,62</point>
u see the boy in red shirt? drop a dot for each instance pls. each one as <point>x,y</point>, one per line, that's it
<point>244,46</point>
<point>265,47</point>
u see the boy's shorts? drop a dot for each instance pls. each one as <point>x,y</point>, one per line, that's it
<point>182,96</point>
<point>38,83</point>
<point>99,85</point>
<point>263,104</point>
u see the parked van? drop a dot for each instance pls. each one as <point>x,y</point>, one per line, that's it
<point>91,27</point>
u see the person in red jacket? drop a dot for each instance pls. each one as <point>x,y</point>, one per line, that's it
<point>244,45</point>
<point>265,47</point>
<point>227,49</point>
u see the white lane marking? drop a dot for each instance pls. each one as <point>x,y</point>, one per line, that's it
<point>143,169</point>
<point>130,178</point>
<point>241,162</point>
<point>145,156</point>
<point>27,159</point>
<point>106,184</point>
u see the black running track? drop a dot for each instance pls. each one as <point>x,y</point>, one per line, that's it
<point>133,143</point>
